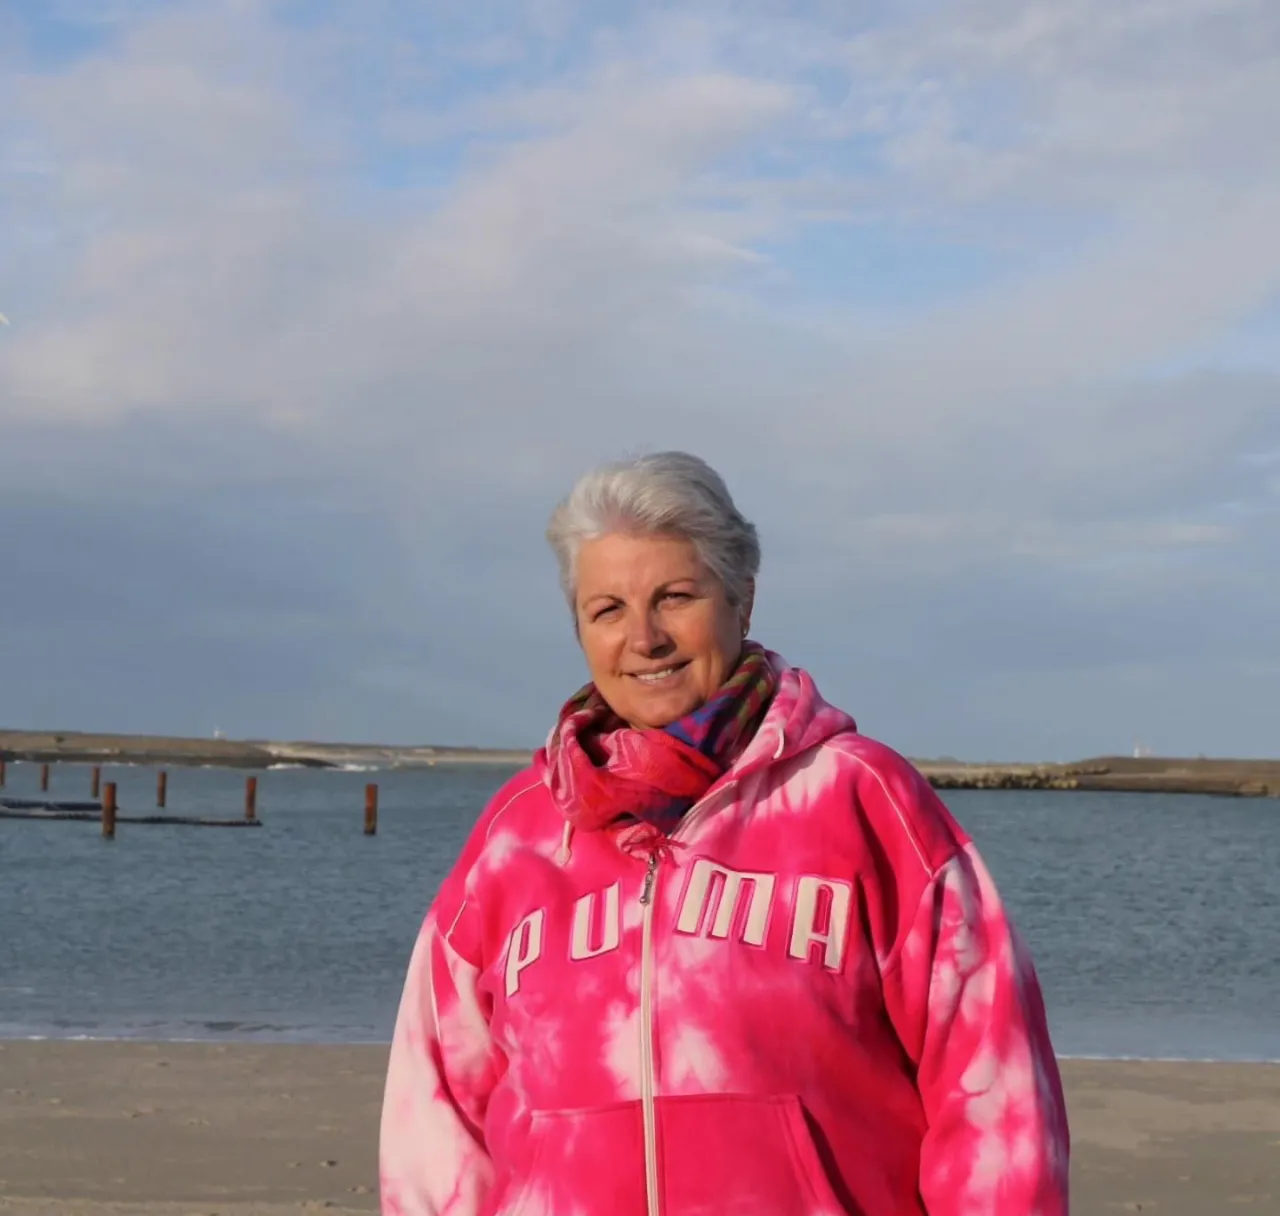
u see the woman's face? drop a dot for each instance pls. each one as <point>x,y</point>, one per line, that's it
<point>658,633</point>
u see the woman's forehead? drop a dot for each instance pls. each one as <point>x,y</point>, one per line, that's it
<point>622,560</point>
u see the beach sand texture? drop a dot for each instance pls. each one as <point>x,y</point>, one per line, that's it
<point>132,1129</point>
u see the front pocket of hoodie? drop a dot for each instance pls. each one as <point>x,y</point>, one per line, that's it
<point>741,1153</point>
<point>589,1160</point>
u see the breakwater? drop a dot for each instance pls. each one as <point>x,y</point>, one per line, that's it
<point>1146,774</point>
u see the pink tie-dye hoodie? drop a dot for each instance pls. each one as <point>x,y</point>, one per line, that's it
<point>813,1002</point>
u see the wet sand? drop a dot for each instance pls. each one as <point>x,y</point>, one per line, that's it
<point>109,1129</point>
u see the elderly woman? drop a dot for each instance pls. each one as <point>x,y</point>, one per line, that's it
<point>715,951</point>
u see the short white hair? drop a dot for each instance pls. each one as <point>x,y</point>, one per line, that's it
<point>665,493</point>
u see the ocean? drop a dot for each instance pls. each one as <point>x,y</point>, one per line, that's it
<point>1154,920</point>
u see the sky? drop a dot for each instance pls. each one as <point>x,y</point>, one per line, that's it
<point>317,307</point>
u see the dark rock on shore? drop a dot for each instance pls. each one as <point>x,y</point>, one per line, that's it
<point>1149,774</point>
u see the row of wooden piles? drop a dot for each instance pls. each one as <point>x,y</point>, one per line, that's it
<point>104,804</point>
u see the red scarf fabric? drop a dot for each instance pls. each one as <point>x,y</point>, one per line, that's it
<point>602,772</point>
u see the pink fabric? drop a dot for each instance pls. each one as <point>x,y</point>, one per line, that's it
<point>841,1018</point>
<point>601,771</point>
<point>596,779</point>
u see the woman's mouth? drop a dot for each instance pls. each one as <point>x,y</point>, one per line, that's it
<point>659,675</point>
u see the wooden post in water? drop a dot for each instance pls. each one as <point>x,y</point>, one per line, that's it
<point>109,811</point>
<point>95,782</point>
<point>371,809</point>
<point>251,798</point>
<point>1,772</point>
<point>44,777</point>
<point>162,787</point>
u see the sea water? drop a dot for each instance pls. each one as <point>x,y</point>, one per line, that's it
<point>1154,920</point>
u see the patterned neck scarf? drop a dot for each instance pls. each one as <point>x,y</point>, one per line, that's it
<point>603,772</point>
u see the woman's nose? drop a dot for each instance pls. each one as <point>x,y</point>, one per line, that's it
<point>646,635</point>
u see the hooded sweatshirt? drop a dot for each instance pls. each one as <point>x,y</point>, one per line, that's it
<point>810,1003</point>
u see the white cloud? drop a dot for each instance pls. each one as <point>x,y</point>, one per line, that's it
<point>228,272</point>
<point>1073,99</point>
<point>461,259</point>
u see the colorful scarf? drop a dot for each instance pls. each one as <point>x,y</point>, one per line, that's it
<point>603,772</point>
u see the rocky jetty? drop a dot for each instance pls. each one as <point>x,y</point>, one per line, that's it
<point>1149,774</point>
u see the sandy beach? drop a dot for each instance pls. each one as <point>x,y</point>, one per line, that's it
<point>114,1129</point>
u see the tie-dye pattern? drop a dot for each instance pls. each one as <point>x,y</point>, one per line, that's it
<point>835,1015</point>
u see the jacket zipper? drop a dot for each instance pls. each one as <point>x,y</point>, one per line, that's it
<point>648,1077</point>
<point>647,1070</point>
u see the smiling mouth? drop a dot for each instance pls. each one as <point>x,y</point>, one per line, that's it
<point>658,677</point>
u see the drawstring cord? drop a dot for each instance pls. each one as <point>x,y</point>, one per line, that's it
<point>640,840</point>
<point>646,841</point>
<point>564,852</point>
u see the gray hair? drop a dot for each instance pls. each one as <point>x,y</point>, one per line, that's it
<point>672,493</point>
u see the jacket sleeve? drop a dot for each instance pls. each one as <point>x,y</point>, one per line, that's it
<point>964,998</point>
<point>443,1065</point>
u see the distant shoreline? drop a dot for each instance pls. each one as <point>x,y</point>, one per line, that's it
<point>76,747</point>
<point>1152,774</point>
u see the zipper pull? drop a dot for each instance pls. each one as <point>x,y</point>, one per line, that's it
<point>646,892</point>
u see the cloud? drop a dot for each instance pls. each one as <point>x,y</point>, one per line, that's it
<point>415,271</point>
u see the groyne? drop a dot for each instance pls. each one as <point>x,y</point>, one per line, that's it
<point>1145,774</point>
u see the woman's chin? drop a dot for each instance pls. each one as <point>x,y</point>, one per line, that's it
<point>654,710</point>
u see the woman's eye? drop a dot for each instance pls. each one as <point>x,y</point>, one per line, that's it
<point>604,613</point>
<point>676,595</point>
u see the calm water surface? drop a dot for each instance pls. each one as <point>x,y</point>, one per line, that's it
<point>1154,920</point>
